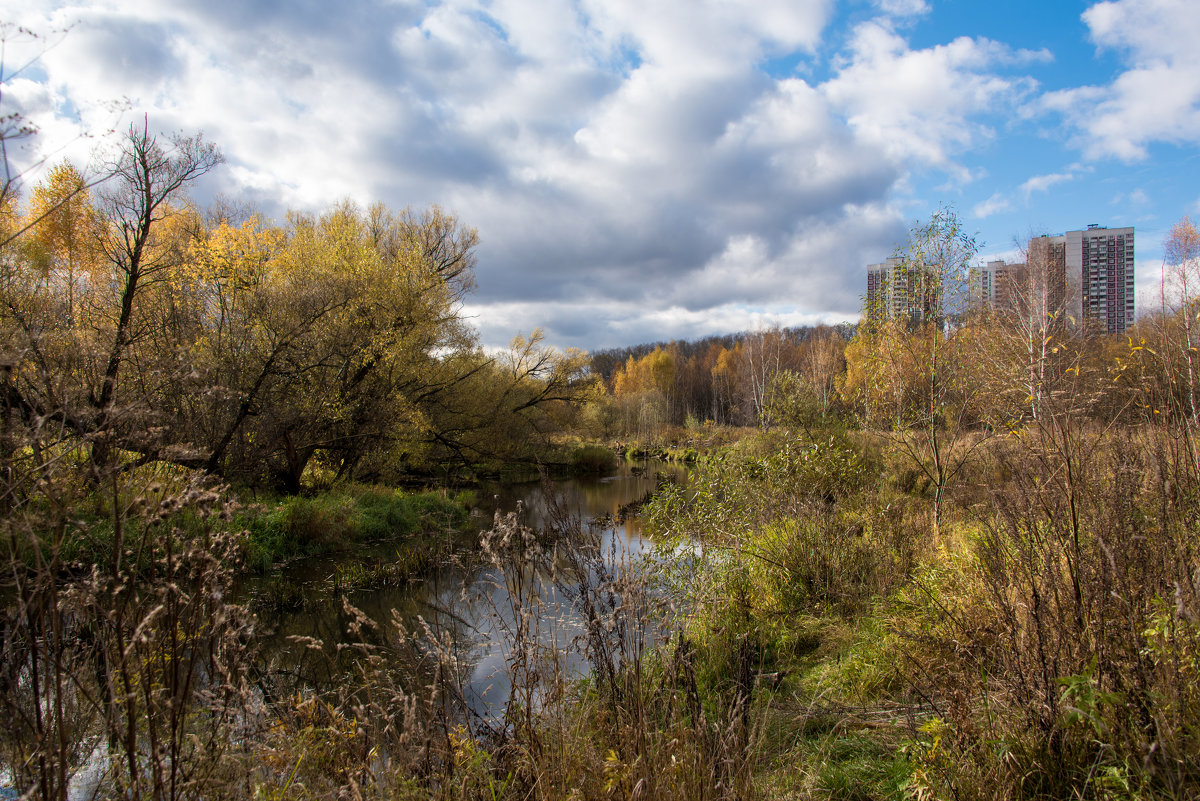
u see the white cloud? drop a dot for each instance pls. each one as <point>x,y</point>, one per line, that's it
<point>620,324</point>
<point>628,165</point>
<point>903,8</point>
<point>1042,183</point>
<point>993,205</point>
<point>920,104</point>
<point>1157,96</point>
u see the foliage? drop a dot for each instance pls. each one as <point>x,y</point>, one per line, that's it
<point>1002,602</point>
<point>340,520</point>
<point>256,351</point>
<point>593,459</point>
<point>912,377</point>
<point>715,381</point>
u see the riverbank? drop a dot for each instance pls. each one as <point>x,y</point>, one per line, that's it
<point>802,629</point>
<point>339,520</point>
<point>806,631</point>
<point>423,525</point>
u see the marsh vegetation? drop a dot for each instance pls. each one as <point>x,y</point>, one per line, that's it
<point>946,557</point>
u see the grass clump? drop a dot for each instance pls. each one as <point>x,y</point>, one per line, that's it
<point>593,460</point>
<point>339,520</point>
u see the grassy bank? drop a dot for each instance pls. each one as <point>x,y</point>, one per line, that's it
<point>816,640</point>
<point>342,519</point>
<point>802,632</point>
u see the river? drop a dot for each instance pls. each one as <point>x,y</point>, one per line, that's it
<point>466,600</point>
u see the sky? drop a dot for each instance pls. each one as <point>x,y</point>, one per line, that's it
<point>647,170</point>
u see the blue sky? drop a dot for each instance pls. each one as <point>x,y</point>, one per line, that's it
<point>651,169</point>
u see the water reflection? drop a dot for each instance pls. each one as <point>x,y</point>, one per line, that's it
<point>468,597</point>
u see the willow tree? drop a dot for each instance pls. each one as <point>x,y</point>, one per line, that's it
<point>146,176</point>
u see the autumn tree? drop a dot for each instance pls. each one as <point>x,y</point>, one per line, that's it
<point>66,234</point>
<point>1180,308</point>
<point>333,334</point>
<point>643,389</point>
<point>727,379</point>
<point>337,340</point>
<point>71,341</point>
<point>506,406</point>
<point>912,377</point>
<point>822,361</point>
<point>146,175</point>
<point>765,354</point>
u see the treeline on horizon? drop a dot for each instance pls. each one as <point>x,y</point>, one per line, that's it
<point>606,361</point>
<point>722,379</point>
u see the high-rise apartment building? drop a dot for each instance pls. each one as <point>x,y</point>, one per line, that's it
<point>1082,276</point>
<point>1100,276</point>
<point>991,284</point>
<point>1035,288</point>
<point>1097,268</point>
<point>881,283</point>
<point>898,290</point>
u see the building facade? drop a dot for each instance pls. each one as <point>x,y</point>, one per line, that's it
<point>991,285</point>
<point>1097,268</point>
<point>898,290</point>
<point>882,279</point>
<point>1085,277</point>
<point>1100,273</point>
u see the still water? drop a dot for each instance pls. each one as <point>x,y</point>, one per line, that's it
<point>466,601</point>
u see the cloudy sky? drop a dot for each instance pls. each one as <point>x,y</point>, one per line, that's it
<point>651,169</point>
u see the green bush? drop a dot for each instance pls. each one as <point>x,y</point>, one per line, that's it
<point>339,520</point>
<point>593,459</point>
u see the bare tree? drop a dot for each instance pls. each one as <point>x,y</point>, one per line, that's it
<point>145,177</point>
<point>1180,298</point>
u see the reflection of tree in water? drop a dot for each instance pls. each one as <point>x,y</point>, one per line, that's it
<point>465,600</point>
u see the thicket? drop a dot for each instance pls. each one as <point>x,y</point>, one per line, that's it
<point>256,352</point>
<point>965,566</point>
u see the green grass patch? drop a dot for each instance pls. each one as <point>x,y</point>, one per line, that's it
<point>339,520</point>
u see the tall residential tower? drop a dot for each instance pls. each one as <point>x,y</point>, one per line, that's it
<point>1086,275</point>
<point>898,290</point>
<point>1100,276</point>
<point>1098,268</point>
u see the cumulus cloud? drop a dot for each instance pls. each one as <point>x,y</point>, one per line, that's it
<point>920,105</point>
<point>632,168</point>
<point>1156,97</point>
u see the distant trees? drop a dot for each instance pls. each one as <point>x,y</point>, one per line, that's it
<point>723,380</point>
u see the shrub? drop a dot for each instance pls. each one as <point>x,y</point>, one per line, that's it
<point>337,521</point>
<point>593,459</point>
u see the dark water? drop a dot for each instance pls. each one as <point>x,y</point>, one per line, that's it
<point>467,600</point>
